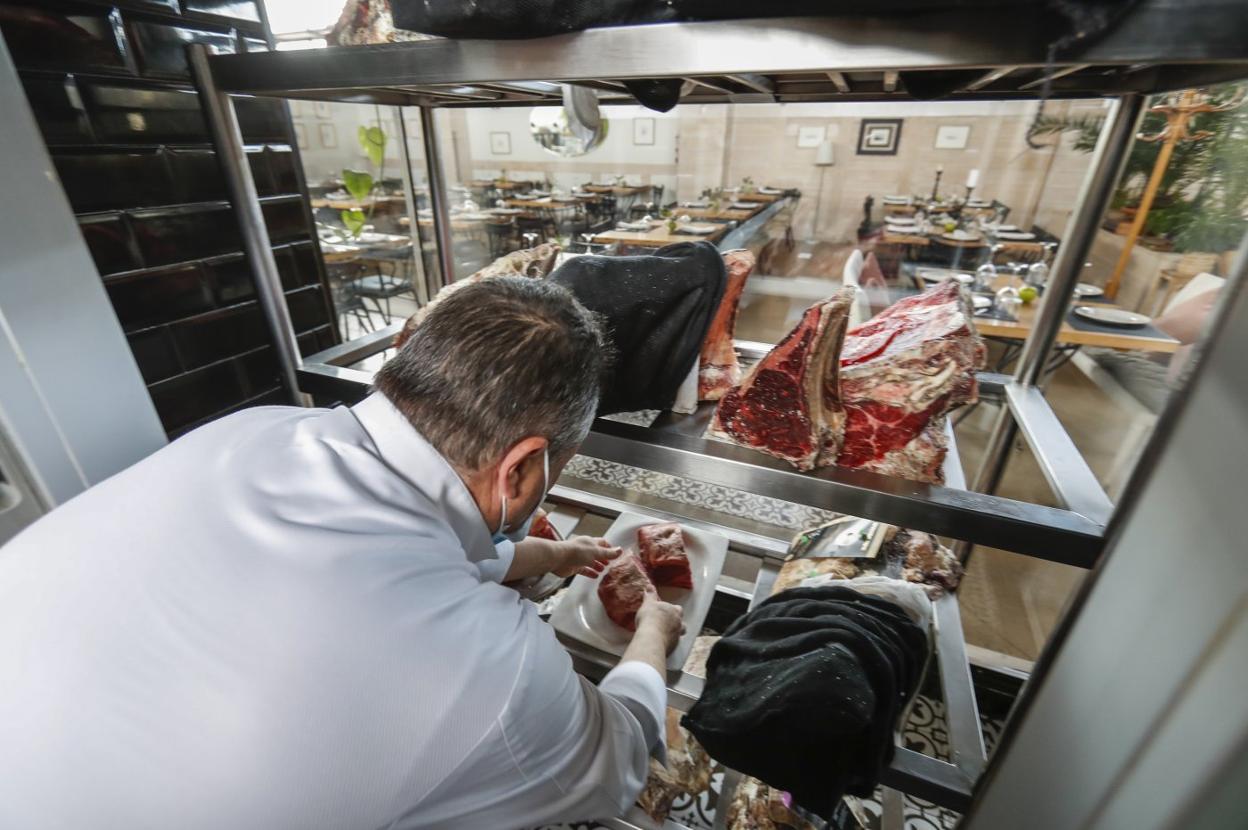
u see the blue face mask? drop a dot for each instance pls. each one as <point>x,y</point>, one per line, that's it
<point>502,534</point>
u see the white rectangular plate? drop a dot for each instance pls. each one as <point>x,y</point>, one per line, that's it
<point>581,617</point>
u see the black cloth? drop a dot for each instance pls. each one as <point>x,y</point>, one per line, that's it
<point>804,692</point>
<point>657,310</point>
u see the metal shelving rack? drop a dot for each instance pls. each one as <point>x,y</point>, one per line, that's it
<point>976,54</point>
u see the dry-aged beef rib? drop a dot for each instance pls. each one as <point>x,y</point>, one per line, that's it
<point>622,589</point>
<point>901,371</point>
<point>662,550</point>
<point>531,262</point>
<point>718,369</point>
<point>788,405</point>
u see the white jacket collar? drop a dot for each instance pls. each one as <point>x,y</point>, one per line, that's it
<point>413,458</point>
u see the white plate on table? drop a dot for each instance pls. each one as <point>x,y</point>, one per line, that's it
<point>999,228</point>
<point>744,205</point>
<point>702,204</point>
<point>1112,316</point>
<point>978,203</point>
<point>770,191</point>
<point>698,227</point>
<point>897,200</point>
<point>961,236</point>
<point>1087,289</point>
<point>633,226</point>
<point>581,617</point>
<point>1017,236</point>
<point>981,302</point>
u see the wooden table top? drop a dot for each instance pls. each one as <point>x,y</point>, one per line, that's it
<point>1009,246</point>
<point>618,190</point>
<point>755,196</point>
<point>722,214</point>
<point>352,204</point>
<point>487,183</point>
<point>656,237</point>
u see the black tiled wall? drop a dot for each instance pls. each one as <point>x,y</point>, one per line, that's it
<point>109,85</point>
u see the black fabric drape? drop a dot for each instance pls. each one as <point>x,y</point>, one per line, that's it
<point>804,692</point>
<point>657,310</point>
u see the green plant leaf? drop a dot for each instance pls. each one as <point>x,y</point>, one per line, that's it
<point>353,220</point>
<point>373,141</point>
<point>358,183</point>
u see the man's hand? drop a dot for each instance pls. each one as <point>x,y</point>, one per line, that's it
<point>585,555</point>
<point>664,619</point>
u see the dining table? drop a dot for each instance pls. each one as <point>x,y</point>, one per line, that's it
<point>1075,330</point>
<point>901,235</point>
<point>338,249</point>
<point>658,236</point>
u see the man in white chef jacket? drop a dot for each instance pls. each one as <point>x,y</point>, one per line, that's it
<point>293,618</point>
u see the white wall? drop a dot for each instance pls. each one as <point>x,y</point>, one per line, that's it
<point>617,155</point>
<point>322,162</point>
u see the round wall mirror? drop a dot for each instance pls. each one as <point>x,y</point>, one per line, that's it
<point>551,129</point>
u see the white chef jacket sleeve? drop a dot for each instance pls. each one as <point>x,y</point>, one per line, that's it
<point>562,750</point>
<point>495,570</point>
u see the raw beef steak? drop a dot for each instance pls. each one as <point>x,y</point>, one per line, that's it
<point>788,405</point>
<point>718,369</point>
<point>622,589</point>
<point>662,550</point>
<point>900,372</point>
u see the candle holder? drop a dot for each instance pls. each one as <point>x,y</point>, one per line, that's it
<point>936,185</point>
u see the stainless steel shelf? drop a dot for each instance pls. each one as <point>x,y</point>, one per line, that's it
<point>674,445</point>
<point>979,53</point>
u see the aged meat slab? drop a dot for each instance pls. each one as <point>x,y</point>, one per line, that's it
<point>788,405</point>
<point>622,589</point>
<point>900,372</point>
<point>531,262</point>
<point>718,368</point>
<point>662,551</point>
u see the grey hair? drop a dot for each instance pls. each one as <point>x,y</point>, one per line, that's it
<point>495,362</point>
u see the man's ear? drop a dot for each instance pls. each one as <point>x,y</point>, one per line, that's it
<point>522,461</point>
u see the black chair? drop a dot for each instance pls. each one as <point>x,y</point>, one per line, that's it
<point>502,238</point>
<point>535,225</point>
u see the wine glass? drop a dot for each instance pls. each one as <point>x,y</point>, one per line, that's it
<point>985,277</point>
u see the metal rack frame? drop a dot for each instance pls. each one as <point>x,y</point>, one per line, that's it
<point>979,54</point>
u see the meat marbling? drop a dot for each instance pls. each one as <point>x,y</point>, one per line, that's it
<point>623,588</point>
<point>901,372</point>
<point>789,403</point>
<point>718,368</point>
<point>662,551</point>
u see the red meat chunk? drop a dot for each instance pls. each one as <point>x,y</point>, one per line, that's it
<point>662,550</point>
<point>622,589</point>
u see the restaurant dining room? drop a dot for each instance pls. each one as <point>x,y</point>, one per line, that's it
<point>623,415</point>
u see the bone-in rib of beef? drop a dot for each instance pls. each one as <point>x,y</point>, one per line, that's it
<point>901,372</point>
<point>788,405</point>
<point>719,370</point>
<point>622,589</point>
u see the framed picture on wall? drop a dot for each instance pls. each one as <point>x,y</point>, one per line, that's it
<point>810,136</point>
<point>329,136</point>
<point>321,108</point>
<point>500,144</point>
<point>879,136</point>
<point>301,135</point>
<point>952,136</point>
<point>643,130</point>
